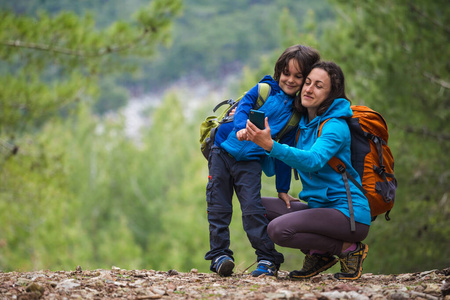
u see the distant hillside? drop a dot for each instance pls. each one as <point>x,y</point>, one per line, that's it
<point>212,39</point>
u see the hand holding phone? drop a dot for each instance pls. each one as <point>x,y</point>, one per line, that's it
<point>257,117</point>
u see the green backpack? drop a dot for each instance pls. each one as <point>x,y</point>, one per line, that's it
<point>209,126</point>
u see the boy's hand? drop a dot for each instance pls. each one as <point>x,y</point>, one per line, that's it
<point>242,135</point>
<point>287,199</point>
<point>260,137</point>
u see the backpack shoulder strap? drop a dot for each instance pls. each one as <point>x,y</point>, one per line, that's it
<point>338,165</point>
<point>321,126</point>
<point>292,124</point>
<point>263,93</point>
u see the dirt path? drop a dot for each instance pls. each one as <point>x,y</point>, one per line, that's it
<point>149,284</point>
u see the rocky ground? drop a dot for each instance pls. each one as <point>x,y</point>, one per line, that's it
<point>149,284</point>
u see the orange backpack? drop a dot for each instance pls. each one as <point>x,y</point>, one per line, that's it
<point>371,158</point>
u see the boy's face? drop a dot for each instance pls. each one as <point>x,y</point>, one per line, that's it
<point>291,78</point>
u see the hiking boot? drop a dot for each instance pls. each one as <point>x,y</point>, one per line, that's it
<point>313,265</point>
<point>351,263</point>
<point>223,265</point>
<point>265,267</point>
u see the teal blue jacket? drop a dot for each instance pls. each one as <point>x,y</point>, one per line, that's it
<point>322,186</point>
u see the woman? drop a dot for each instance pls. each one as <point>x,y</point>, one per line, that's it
<point>320,228</point>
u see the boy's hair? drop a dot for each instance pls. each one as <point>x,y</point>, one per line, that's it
<point>304,55</point>
<point>337,90</point>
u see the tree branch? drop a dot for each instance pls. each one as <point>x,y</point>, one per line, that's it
<point>439,81</point>
<point>79,53</point>
<point>426,132</point>
<point>432,20</point>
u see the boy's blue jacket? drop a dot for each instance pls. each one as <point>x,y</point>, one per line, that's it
<point>278,108</point>
<point>322,186</point>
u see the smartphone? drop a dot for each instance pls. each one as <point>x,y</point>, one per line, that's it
<point>257,117</point>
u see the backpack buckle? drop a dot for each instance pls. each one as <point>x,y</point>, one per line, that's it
<point>380,170</point>
<point>340,168</point>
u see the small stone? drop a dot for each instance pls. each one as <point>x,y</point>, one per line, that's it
<point>427,272</point>
<point>399,296</point>
<point>195,271</point>
<point>35,288</point>
<point>158,291</point>
<point>445,288</point>
<point>68,284</point>
<point>432,288</point>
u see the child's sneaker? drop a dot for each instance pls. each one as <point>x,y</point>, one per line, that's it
<point>313,265</point>
<point>351,263</point>
<point>223,265</point>
<point>265,267</point>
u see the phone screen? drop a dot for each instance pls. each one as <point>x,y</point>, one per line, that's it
<point>257,117</point>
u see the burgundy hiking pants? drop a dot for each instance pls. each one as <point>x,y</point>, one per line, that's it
<point>300,227</point>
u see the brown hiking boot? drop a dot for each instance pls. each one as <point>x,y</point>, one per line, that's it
<point>313,265</point>
<point>351,263</point>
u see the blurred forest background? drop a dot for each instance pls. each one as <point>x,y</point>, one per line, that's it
<point>82,190</point>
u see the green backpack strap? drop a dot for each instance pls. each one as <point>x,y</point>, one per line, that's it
<point>263,94</point>
<point>290,125</point>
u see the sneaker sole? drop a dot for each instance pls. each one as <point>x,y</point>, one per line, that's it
<point>274,274</point>
<point>342,276</point>
<point>324,268</point>
<point>226,269</point>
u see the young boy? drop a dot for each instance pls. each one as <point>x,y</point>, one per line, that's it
<point>234,164</point>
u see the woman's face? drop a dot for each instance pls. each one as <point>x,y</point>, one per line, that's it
<point>316,89</point>
<point>291,78</point>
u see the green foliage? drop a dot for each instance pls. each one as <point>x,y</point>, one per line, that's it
<point>51,62</point>
<point>112,97</point>
<point>47,189</point>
